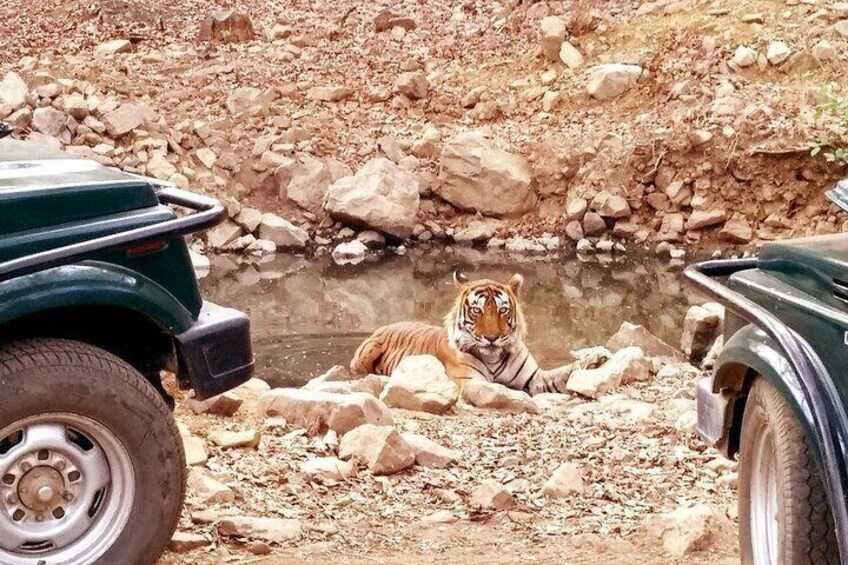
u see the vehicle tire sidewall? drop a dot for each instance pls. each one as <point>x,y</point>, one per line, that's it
<point>141,422</point>
<point>755,423</point>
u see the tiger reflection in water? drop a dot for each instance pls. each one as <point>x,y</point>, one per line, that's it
<point>483,337</point>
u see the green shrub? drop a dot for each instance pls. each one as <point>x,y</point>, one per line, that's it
<point>832,122</point>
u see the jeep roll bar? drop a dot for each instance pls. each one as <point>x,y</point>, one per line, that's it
<point>208,213</point>
<point>815,382</point>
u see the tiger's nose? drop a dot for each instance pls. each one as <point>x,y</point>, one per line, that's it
<point>491,340</point>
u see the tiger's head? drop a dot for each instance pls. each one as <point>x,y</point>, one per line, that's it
<point>487,317</point>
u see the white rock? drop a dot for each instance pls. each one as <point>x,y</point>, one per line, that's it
<point>552,32</point>
<point>428,453</point>
<point>269,529</point>
<point>483,394</point>
<point>349,252</point>
<point>319,411</point>
<point>335,93</point>
<point>380,448</point>
<point>112,47</point>
<point>305,179</point>
<point>566,480</point>
<point>225,404</point>
<point>492,496</point>
<point>569,55</point>
<point>633,335</point>
<point>49,121</point>
<point>380,195</point>
<point>282,232</point>
<point>223,234</point>
<point>777,52</point>
<point>626,365</point>
<point>243,98</point>
<point>612,80</point>
<point>328,468</point>
<point>688,530</point>
<point>13,91</point>
<point>701,327</point>
<point>476,175</point>
<point>206,490</point>
<point>744,56</point>
<point>124,119</point>
<point>420,383</point>
<point>206,156</point>
<point>226,439</point>
<point>413,85</point>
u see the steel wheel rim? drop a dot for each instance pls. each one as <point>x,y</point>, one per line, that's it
<point>764,503</point>
<point>66,490</point>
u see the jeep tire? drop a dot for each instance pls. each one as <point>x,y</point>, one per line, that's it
<point>92,468</point>
<point>784,516</point>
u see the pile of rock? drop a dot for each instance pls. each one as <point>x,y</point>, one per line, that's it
<point>359,425</point>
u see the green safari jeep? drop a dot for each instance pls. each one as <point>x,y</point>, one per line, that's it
<point>778,395</point>
<point>97,296</point>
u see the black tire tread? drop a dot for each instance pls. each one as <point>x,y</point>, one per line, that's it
<point>56,353</point>
<point>808,526</point>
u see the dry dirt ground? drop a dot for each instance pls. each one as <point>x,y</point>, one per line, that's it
<point>636,450</point>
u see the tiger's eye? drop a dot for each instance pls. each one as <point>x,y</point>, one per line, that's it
<point>475,311</point>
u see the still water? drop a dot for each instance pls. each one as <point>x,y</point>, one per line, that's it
<point>309,314</point>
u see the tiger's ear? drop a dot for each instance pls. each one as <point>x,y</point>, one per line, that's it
<point>460,279</point>
<point>515,283</point>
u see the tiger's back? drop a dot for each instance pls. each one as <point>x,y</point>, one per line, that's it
<point>385,348</point>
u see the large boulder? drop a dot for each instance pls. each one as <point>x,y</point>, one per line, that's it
<point>625,366</point>
<point>476,175</point>
<point>305,179</point>
<point>227,26</point>
<point>484,394</point>
<point>382,449</point>
<point>380,195</point>
<point>319,411</point>
<point>420,383</point>
<point>701,327</point>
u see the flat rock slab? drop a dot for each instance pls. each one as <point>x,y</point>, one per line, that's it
<point>319,411</point>
<point>483,394</point>
<point>267,529</point>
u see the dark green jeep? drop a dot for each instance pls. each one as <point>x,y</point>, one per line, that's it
<point>97,296</point>
<point>779,392</point>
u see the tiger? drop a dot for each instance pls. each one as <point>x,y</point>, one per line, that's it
<point>483,337</point>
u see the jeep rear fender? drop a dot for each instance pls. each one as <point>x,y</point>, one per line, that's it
<point>750,353</point>
<point>92,283</point>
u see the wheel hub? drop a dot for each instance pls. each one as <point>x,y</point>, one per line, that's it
<point>41,488</point>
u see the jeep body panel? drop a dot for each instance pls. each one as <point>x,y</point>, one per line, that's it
<point>798,344</point>
<point>76,235</point>
<point>748,353</point>
<point>92,283</point>
<point>41,187</point>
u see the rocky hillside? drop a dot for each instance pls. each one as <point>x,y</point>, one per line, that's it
<point>574,122</point>
<point>410,470</point>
